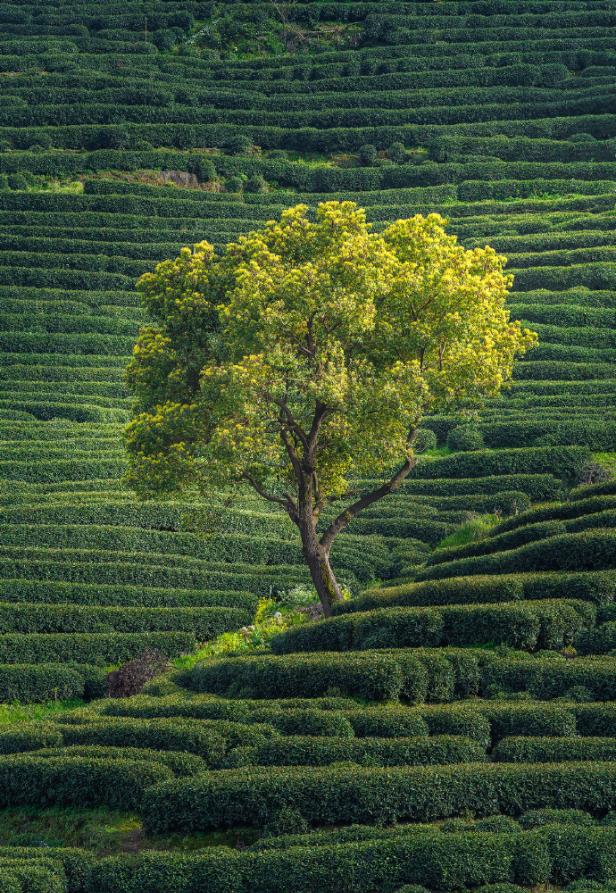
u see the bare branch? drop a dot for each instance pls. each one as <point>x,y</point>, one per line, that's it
<point>271,497</point>
<point>346,516</point>
<point>320,413</point>
<point>297,468</point>
<point>290,421</point>
<point>285,501</point>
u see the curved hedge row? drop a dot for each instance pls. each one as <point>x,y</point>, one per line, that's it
<point>52,592</point>
<point>332,795</point>
<point>563,462</point>
<point>593,586</point>
<point>293,719</point>
<point>181,764</point>
<point>553,750</point>
<point>308,751</point>
<point>524,625</point>
<point>205,739</point>
<point>97,648</point>
<point>33,683</point>
<point>76,781</point>
<point>590,550</point>
<point>440,861</point>
<point>203,623</point>
<point>481,720</point>
<point>414,676</point>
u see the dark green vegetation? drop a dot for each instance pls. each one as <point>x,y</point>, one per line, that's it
<point>453,727</point>
<point>366,752</point>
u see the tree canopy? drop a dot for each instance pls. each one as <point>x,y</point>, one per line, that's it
<point>305,355</point>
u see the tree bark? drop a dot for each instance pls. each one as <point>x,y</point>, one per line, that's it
<point>317,549</point>
<point>306,509</point>
<point>315,553</point>
<point>345,517</point>
<point>321,572</point>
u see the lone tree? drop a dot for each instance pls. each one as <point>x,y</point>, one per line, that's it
<point>304,356</point>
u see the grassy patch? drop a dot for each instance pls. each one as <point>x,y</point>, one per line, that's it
<point>272,616</point>
<point>13,713</point>
<point>608,460</point>
<point>72,187</point>
<point>473,530</point>
<point>437,453</point>
<point>102,831</point>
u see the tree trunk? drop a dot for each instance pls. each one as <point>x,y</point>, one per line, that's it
<point>325,581</point>
<point>323,577</point>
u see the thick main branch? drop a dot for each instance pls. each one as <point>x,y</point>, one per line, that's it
<point>285,501</point>
<point>346,516</point>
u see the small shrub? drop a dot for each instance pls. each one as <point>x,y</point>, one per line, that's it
<point>286,821</point>
<point>465,437</point>
<point>425,440</point>
<point>537,818</point>
<point>239,145</point>
<point>204,169</point>
<point>256,184</point>
<point>397,153</point>
<point>234,184</point>
<point>367,154</point>
<point>131,677</point>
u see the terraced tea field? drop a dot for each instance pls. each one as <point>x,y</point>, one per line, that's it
<point>453,726</point>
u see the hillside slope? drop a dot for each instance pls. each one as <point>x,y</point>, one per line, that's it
<point>452,733</point>
<point>497,115</point>
<point>454,726</point>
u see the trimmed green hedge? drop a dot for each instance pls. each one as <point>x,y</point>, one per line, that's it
<point>553,750</point>
<point>18,877</point>
<point>287,720</point>
<point>596,719</point>
<point>28,683</point>
<point>100,648</point>
<point>490,721</point>
<point>600,640</point>
<point>180,763</point>
<point>439,592</point>
<point>524,625</point>
<point>29,737</point>
<point>330,795</point>
<point>593,586</point>
<point>208,740</point>
<point>307,751</point>
<point>372,676</point>
<point>548,678</point>
<point>203,622</point>
<point>563,462</point>
<point>73,864</point>
<point>438,861</point>
<point>433,675</point>
<point>53,592</point>
<point>80,781</point>
<point>390,722</point>
<point>134,570</point>
<point>528,719</point>
<point>589,501</point>
<point>588,550</point>
<point>480,720</point>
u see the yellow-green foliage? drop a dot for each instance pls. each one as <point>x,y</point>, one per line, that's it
<point>312,313</point>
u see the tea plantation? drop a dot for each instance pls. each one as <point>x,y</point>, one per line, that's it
<point>453,726</point>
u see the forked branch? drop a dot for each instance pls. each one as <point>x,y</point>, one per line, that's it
<point>346,516</point>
